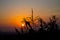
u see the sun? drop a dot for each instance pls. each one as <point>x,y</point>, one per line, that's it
<point>23,24</point>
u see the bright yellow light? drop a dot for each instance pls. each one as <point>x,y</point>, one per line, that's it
<point>23,24</point>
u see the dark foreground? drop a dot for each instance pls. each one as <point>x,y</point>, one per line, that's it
<point>27,36</point>
<point>51,32</point>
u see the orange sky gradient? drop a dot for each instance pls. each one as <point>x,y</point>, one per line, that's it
<point>13,12</point>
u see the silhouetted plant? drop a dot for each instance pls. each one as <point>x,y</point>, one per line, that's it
<point>52,24</point>
<point>27,23</point>
<point>17,31</point>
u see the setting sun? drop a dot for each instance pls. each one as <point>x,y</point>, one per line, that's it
<point>13,12</point>
<point>23,24</point>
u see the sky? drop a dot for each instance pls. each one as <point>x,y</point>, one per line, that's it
<point>12,11</point>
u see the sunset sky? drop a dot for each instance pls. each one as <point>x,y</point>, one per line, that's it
<point>12,11</point>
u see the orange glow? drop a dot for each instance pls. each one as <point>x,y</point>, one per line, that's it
<point>23,24</point>
<point>18,15</point>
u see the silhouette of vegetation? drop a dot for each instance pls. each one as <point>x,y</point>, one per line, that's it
<point>50,26</point>
<point>44,27</point>
<point>53,25</point>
